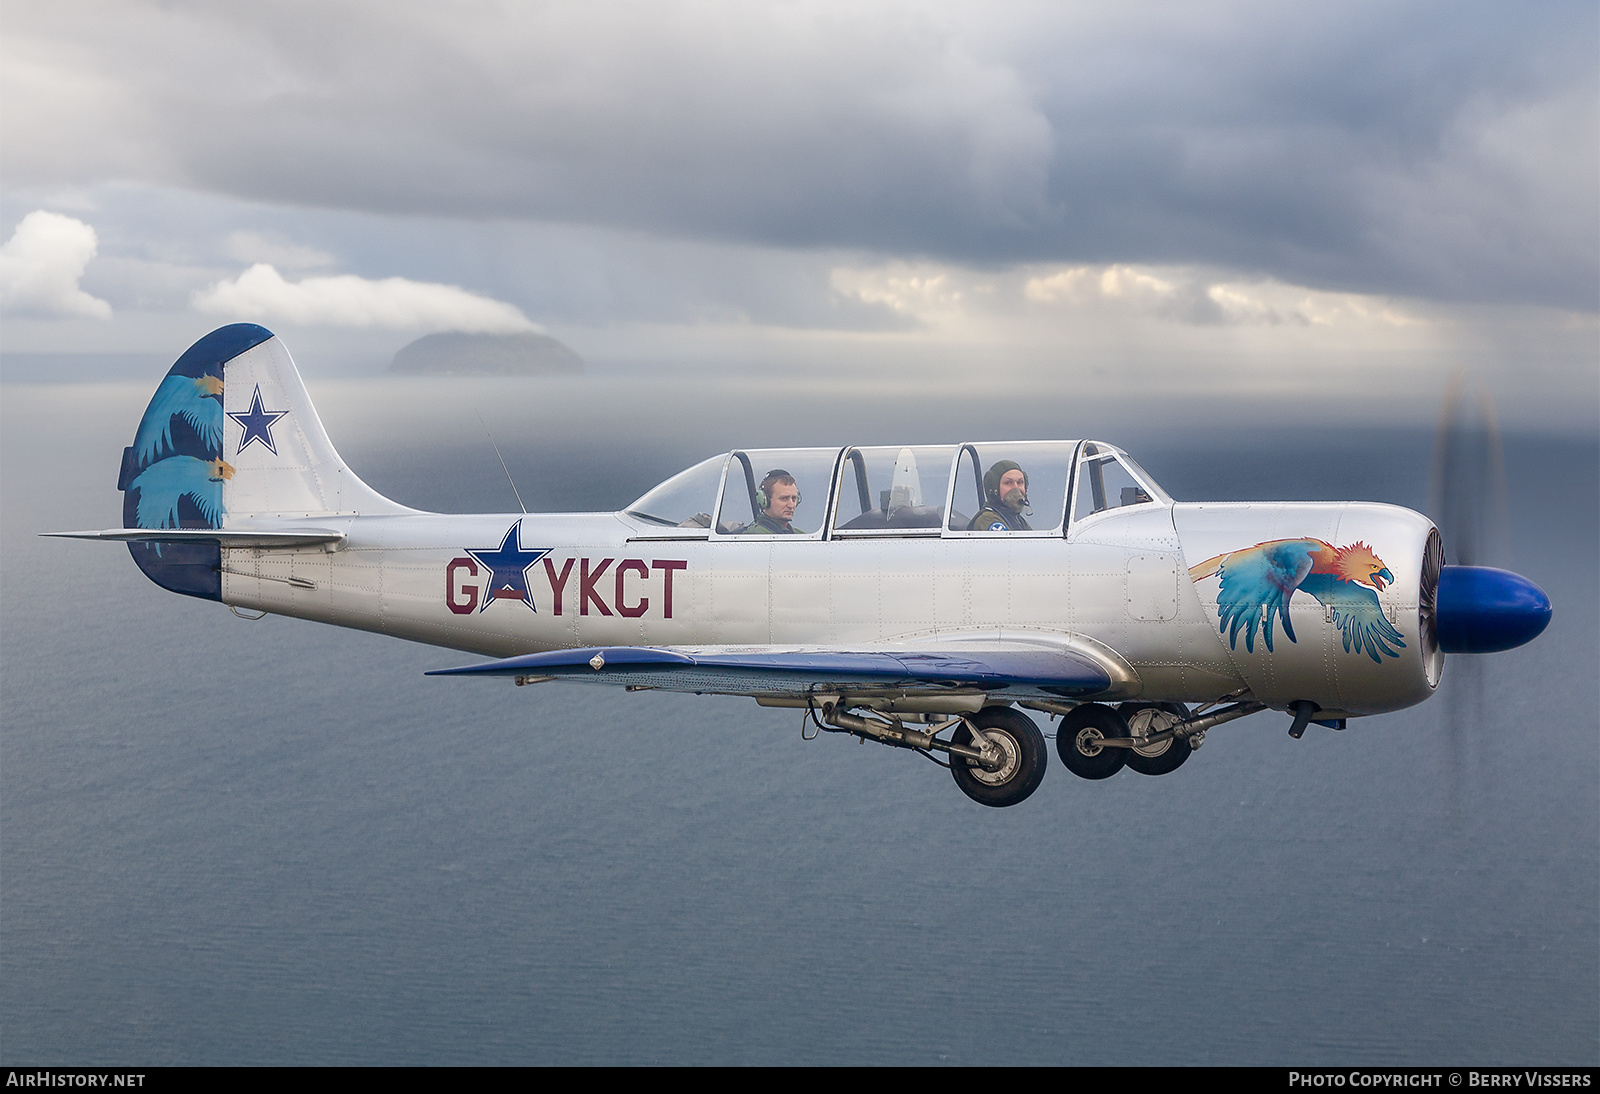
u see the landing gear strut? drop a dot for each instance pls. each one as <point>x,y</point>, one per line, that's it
<point>997,755</point>
<point>1095,741</point>
<point>1147,720</point>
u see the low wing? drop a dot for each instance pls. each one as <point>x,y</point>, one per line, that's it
<point>1256,585</point>
<point>1357,613</point>
<point>720,670</point>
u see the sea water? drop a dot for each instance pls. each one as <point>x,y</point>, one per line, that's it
<point>277,842</point>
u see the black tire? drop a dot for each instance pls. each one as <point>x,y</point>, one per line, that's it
<point>1165,757</point>
<point>1076,737</point>
<point>1020,776</point>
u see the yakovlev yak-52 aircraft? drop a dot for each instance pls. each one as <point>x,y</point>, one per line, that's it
<point>934,595</point>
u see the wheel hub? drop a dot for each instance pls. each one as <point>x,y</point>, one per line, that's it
<point>1088,741</point>
<point>1147,723</point>
<point>1006,757</point>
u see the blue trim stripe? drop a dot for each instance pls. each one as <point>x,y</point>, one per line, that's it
<point>1062,673</point>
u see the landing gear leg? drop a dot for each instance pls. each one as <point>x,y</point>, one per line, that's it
<point>1018,755</point>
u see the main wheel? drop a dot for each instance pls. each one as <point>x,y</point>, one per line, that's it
<point>1022,757</point>
<point>1165,756</point>
<point>1078,741</point>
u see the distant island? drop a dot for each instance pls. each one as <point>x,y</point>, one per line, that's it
<point>456,354</point>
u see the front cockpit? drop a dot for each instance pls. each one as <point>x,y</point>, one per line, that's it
<point>981,489</point>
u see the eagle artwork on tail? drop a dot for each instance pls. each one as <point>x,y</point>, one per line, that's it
<point>196,400</point>
<point>174,471</point>
<point>1258,582</point>
<point>164,482</point>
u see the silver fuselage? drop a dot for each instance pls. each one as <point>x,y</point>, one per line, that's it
<point>1116,584</point>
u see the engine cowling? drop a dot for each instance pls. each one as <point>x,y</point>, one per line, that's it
<point>1347,605</point>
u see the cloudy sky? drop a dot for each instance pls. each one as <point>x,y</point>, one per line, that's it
<point>1226,197</point>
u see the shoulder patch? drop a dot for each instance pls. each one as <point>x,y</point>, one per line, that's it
<point>998,526</point>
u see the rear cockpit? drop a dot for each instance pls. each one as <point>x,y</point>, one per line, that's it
<point>982,489</point>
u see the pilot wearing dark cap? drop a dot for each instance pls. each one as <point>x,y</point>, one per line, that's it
<point>777,497</point>
<point>1005,496</point>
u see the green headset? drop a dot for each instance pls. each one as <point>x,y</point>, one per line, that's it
<point>762,501</point>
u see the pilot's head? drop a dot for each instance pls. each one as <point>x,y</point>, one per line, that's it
<point>779,495</point>
<point>1006,485</point>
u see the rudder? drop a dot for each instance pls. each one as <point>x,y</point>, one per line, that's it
<point>229,436</point>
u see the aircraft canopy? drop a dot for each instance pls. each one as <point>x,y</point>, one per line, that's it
<point>896,490</point>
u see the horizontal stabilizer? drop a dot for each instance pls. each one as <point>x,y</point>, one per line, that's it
<point>739,672</point>
<point>227,537</point>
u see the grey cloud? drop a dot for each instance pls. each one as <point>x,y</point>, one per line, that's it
<point>160,245</point>
<point>1410,149</point>
<point>1440,150</point>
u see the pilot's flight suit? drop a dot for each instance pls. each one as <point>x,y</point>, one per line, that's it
<point>765,525</point>
<point>998,519</point>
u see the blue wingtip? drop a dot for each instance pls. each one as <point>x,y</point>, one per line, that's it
<point>1485,610</point>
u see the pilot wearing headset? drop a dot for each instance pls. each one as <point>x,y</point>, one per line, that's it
<point>777,497</point>
<point>1005,496</point>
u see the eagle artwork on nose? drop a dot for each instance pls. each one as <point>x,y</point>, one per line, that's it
<point>1258,582</point>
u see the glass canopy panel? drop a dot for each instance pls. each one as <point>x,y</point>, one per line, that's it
<point>1106,482</point>
<point>1153,487</point>
<point>685,500</point>
<point>983,500</point>
<point>776,491</point>
<point>892,490</point>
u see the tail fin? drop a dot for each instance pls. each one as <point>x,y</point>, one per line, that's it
<point>230,436</point>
